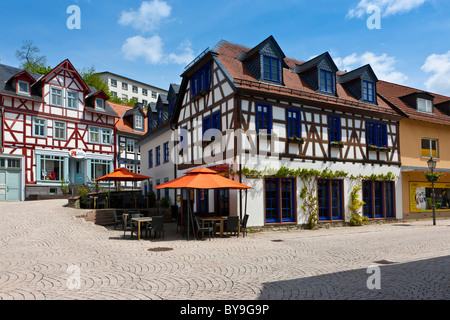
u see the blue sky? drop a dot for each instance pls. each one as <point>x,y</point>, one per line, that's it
<point>152,41</point>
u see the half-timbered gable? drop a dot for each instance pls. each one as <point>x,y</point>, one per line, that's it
<point>61,128</point>
<point>261,109</point>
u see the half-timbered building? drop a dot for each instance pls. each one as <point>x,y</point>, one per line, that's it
<point>53,127</point>
<point>254,110</point>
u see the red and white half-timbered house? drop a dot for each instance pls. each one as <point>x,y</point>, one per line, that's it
<point>53,128</point>
<point>267,111</point>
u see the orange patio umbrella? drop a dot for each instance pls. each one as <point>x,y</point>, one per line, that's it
<point>122,174</point>
<point>201,178</point>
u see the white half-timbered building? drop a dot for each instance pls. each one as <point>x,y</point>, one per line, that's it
<point>53,127</point>
<point>267,111</point>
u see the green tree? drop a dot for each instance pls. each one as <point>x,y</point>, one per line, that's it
<point>93,79</point>
<point>30,60</point>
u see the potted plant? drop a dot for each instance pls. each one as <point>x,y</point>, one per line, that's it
<point>433,177</point>
<point>64,187</point>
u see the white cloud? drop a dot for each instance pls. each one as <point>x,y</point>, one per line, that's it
<point>383,65</point>
<point>387,7</point>
<point>148,17</point>
<point>152,51</point>
<point>439,66</point>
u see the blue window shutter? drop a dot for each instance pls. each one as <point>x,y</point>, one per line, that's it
<point>206,124</point>
<point>215,121</point>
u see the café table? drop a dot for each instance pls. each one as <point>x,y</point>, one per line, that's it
<point>139,220</point>
<point>214,219</point>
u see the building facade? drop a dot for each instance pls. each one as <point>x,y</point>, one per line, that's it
<point>424,133</point>
<point>157,146</point>
<point>127,89</point>
<point>53,128</point>
<point>130,127</point>
<point>289,129</point>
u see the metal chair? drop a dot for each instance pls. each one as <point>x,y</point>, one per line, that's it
<point>233,224</point>
<point>244,225</point>
<point>118,218</point>
<point>131,225</point>
<point>207,227</point>
<point>157,226</point>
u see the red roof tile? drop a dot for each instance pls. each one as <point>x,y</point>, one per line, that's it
<point>293,84</point>
<point>123,124</point>
<point>392,92</point>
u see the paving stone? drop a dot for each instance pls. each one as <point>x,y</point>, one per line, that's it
<point>44,245</point>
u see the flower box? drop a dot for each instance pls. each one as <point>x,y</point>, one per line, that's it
<point>337,144</point>
<point>295,139</point>
<point>385,149</point>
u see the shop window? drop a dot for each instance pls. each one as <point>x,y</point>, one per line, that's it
<point>330,199</point>
<point>52,167</point>
<point>99,168</point>
<point>280,191</point>
<point>378,197</point>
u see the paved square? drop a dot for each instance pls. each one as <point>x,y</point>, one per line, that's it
<point>47,252</point>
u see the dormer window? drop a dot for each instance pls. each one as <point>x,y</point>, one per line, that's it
<point>424,105</point>
<point>100,103</point>
<point>271,69</point>
<point>23,87</point>
<point>368,91</point>
<point>326,81</point>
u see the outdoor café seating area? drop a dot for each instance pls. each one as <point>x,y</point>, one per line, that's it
<point>140,217</point>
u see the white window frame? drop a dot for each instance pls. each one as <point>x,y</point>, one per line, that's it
<point>59,128</point>
<point>52,94</point>
<point>144,92</point>
<point>95,131</point>
<point>75,99</point>
<point>106,133</point>
<point>43,125</point>
<point>130,146</point>
<point>135,89</point>
<point>427,104</point>
<point>138,122</point>
<point>20,91</point>
<point>101,105</point>
<point>430,140</point>
<point>114,83</point>
<point>125,86</point>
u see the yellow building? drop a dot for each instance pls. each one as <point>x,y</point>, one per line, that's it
<point>424,133</point>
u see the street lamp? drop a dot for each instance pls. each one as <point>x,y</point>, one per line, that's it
<point>432,165</point>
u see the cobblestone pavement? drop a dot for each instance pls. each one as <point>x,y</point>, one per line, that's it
<point>45,249</point>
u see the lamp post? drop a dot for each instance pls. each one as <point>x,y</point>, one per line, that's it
<point>432,165</point>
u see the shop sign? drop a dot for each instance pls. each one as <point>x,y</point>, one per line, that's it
<point>77,154</point>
